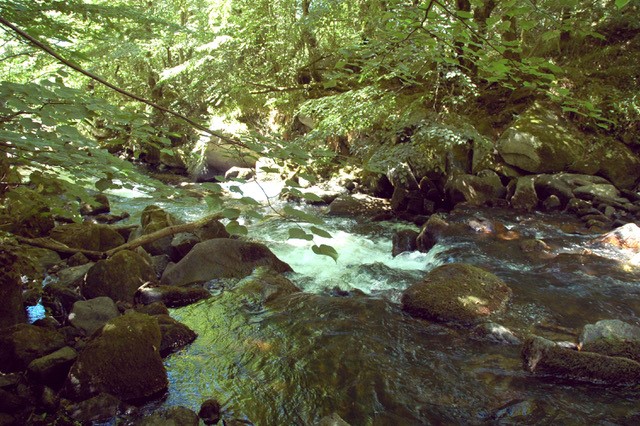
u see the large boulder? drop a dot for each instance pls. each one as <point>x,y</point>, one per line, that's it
<point>219,158</point>
<point>539,141</point>
<point>431,232</point>
<point>613,338</point>
<point>175,335</point>
<point>90,315</point>
<point>221,258</point>
<point>88,236</point>
<point>11,310</point>
<point>619,164</point>
<point>118,277</point>
<point>474,190</point>
<point>543,356</point>
<point>22,343</point>
<point>123,359</point>
<point>457,293</point>
<point>357,205</point>
<point>52,369</point>
<point>404,240</point>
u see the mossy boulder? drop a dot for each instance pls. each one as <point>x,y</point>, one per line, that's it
<point>153,219</point>
<point>221,258</point>
<point>52,369</point>
<point>118,277</point>
<point>435,227</point>
<point>474,190</point>
<point>27,213</point>
<point>22,343</point>
<point>91,315</point>
<point>88,236</point>
<point>540,141</point>
<point>123,359</point>
<point>458,293</point>
<point>404,240</point>
<point>543,356</point>
<point>613,338</point>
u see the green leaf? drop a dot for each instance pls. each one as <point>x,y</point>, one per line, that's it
<point>325,250</point>
<point>298,233</point>
<point>235,228</point>
<point>310,196</point>
<point>302,216</point>
<point>248,201</point>
<point>231,213</point>
<point>320,232</point>
<point>622,3</point>
<point>103,184</point>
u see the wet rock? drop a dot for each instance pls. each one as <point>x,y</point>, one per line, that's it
<point>474,190</point>
<point>525,197</point>
<point>457,293</point>
<point>87,236</point>
<point>52,369</point>
<point>332,420</point>
<point>11,309</point>
<point>552,203</point>
<point>221,258</point>
<point>73,276</point>
<point>399,199</point>
<point>175,335</point>
<point>22,343</point>
<point>155,308</point>
<point>174,416</point>
<point>516,411</point>
<point>90,315</point>
<point>263,286</point>
<point>99,205</point>
<point>77,259</point>
<point>578,206</point>
<point>612,338</point>
<point>532,245</point>
<point>159,263</point>
<point>624,237</point>
<point>100,408</point>
<point>243,173</point>
<point>118,277</point>
<point>404,240</point>
<point>358,205</point>
<point>496,333</point>
<point>122,359</point>
<point>59,300</point>
<point>543,356</point>
<point>210,412</point>
<point>589,192</point>
<point>181,244</point>
<point>431,232</point>
<point>171,296</point>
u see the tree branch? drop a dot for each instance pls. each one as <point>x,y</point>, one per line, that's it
<point>100,80</point>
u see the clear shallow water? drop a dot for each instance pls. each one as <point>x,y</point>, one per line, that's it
<point>360,356</point>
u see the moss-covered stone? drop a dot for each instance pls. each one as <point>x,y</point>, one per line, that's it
<point>88,236</point>
<point>457,293</point>
<point>540,355</point>
<point>221,258</point>
<point>11,310</point>
<point>118,277</point>
<point>22,343</point>
<point>123,359</point>
<point>613,338</point>
<point>175,335</point>
<point>265,285</point>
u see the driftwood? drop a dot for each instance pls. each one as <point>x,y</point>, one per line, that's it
<point>59,247</point>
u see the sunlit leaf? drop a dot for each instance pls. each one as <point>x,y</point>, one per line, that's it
<point>325,250</point>
<point>299,234</point>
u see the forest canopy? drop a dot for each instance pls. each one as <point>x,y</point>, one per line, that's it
<point>340,67</point>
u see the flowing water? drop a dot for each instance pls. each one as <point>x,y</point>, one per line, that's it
<point>344,346</point>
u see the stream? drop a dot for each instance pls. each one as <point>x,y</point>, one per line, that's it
<point>344,345</point>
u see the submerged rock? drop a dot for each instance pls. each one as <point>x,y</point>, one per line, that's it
<point>613,338</point>
<point>118,277</point>
<point>221,258</point>
<point>540,355</point>
<point>404,240</point>
<point>100,408</point>
<point>332,420</point>
<point>123,359</point>
<point>264,286</point>
<point>174,416</point>
<point>456,293</point>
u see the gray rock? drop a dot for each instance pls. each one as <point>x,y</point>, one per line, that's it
<point>88,236</point>
<point>175,335</point>
<point>221,258</point>
<point>589,192</point>
<point>431,232</point>
<point>22,343</point>
<point>99,408</point>
<point>404,240</point>
<point>496,333</point>
<point>474,190</point>
<point>90,315</point>
<point>73,276</point>
<point>358,205</point>
<point>181,244</point>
